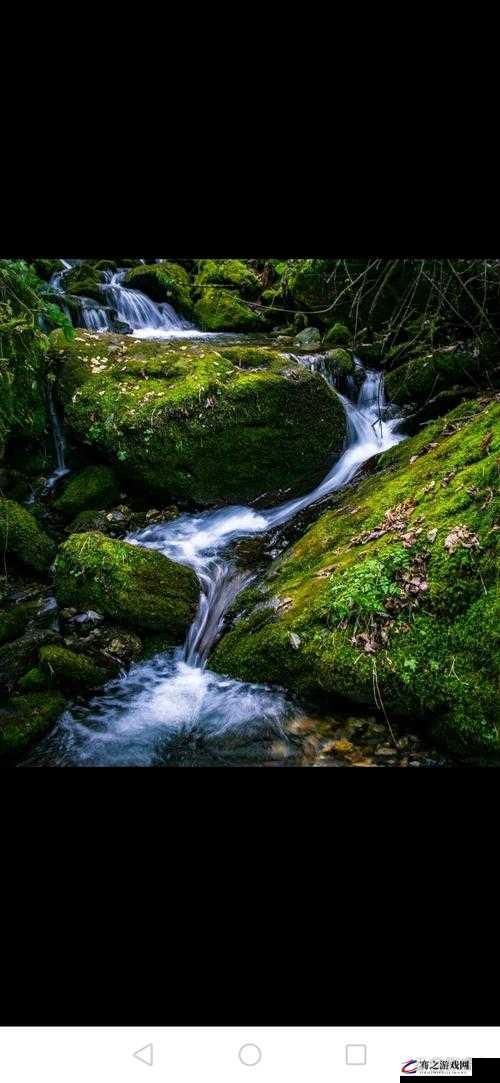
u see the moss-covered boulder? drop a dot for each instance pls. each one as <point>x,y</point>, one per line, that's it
<point>139,588</point>
<point>14,621</point>
<point>22,538</point>
<point>220,309</point>
<point>390,599</point>
<point>70,670</point>
<point>95,487</point>
<point>198,423</point>
<point>233,273</point>
<point>46,268</point>
<point>165,281</point>
<point>426,375</point>
<point>27,718</point>
<point>19,655</point>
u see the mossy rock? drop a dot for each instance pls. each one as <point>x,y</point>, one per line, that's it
<point>95,487</point>
<point>339,335</point>
<point>28,717</point>
<point>22,538</point>
<point>198,423</point>
<point>164,281</point>
<point>391,597</point>
<point>139,588</point>
<point>423,377</point>
<point>46,268</point>
<point>228,272</point>
<point>14,621</point>
<point>35,680</point>
<point>70,670</point>
<point>18,655</point>
<point>219,309</point>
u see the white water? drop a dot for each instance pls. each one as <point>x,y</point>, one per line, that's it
<point>59,442</point>
<point>146,318</point>
<point>172,708</point>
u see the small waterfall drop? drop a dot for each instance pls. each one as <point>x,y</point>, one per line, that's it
<point>59,442</point>
<point>172,707</point>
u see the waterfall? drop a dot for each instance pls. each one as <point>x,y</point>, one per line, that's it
<point>172,706</point>
<point>59,442</point>
<point>128,306</point>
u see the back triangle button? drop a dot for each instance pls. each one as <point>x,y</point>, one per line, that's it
<point>145,1055</point>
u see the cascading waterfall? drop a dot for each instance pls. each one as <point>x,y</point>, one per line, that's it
<point>130,307</point>
<point>59,442</point>
<point>172,708</point>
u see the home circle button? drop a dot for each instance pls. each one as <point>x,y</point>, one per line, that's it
<point>250,1055</point>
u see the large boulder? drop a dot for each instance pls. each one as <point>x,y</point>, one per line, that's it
<point>389,601</point>
<point>220,309</point>
<point>197,423</point>
<point>233,273</point>
<point>165,281</point>
<point>22,538</point>
<point>429,373</point>
<point>139,588</point>
<point>94,487</point>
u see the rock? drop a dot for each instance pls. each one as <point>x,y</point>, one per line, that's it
<point>90,617</point>
<point>370,574</point>
<point>165,281</point>
<point>17,656</point>
<point>28,717</point>
<point>69,670</point>
<point>223,310</point>
<point>139,588</point>
<point>339,335</point>
<point>308,339</point>
<point>228,272</point>
<point>426,376</point>
<point>95,487</point>
<point>197,424</point>
<point>22,538</point>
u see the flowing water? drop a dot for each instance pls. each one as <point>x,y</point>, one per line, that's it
<point>59,442</point>
<point>172,710</point>
<point>144,317</point>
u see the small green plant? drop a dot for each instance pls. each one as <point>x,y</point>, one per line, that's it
<point>365,590</point>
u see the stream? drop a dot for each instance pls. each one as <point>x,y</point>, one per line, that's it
<point>171,709</point>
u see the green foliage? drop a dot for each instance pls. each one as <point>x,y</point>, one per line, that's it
<point>365,589</point>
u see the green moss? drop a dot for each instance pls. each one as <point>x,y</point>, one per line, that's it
<point>21,537</point>
<point>72,671</point>
<point>339,335</point>
<point>27,719</point>
<point>14,621</point>
<point>198,424</point>
<point>426,375</point>
<point>219,309</point>
<point>163,281</point>
<point>35,680</point>
<point>6,405</point>
<point>228,272</point>
<point>405,615</point>
<point>137,587</point>
<point>95,487</point>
